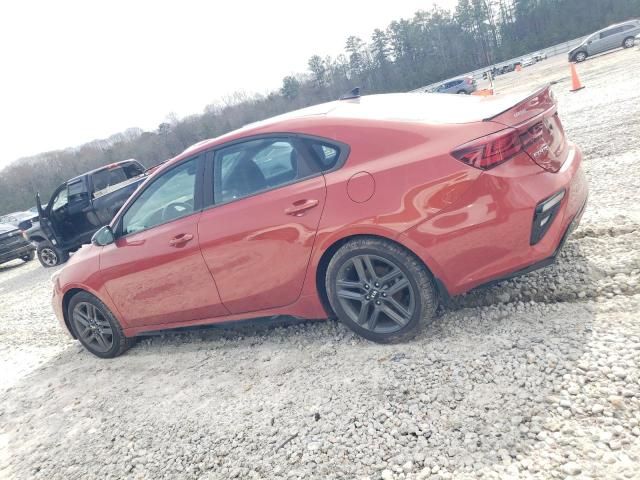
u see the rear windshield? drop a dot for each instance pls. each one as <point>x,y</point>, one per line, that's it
<point>113,176</point>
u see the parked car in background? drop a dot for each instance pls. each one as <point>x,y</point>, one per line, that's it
<point>464,85</point>
<point>540,56</point>
<point>14,245</point>
<point>371,209</point>
<point>621,35</point>
<point>80,206</point>
<point>528,61</point>
<point>22,220</point>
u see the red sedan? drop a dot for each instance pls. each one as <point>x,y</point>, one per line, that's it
<point>370,209</point>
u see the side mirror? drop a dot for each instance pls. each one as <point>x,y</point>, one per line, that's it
<point>589,42</point>
<point>103,237</point>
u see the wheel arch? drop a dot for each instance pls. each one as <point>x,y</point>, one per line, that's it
<point>329,252</point>
<point>36,238</point>
<point>66,298</point>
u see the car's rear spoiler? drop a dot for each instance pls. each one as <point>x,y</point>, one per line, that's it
<point>533,104</point>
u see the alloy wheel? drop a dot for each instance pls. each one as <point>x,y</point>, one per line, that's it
<point>628,43</point>
<point>375,293</point>
<point>92,327</point>
<point>49,257</point>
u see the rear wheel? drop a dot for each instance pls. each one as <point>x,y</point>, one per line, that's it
<point>380,290</point>
<point>28,257</point>
<point>96,327</point>
<point>462,92</point>
<point>580,57</point>
<point>50,256</point>
<point>628,42</point>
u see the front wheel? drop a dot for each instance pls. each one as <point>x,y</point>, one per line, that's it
<point>580,57</point>
<point>380,290</point>
<point>628,42</point>
<point>49,255</point>
<point>96,327</point>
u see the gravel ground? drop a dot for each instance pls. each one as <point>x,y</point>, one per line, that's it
<point>536,378</point>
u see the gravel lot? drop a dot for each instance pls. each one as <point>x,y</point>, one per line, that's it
<point>536,378</point>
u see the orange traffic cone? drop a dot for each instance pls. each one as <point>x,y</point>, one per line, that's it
<point>576,84</point>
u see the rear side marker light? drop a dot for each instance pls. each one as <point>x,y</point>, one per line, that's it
<point>544,215</point>
<point>491,150</point>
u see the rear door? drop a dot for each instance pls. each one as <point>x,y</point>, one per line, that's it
<point>608,40</point>
<point>266,196</point>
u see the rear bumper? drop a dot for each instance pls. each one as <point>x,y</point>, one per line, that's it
<point>19,251</point>
<point>547,261</point>
<point>486,236</point>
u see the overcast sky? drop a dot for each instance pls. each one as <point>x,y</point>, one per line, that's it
<point>71,72</point>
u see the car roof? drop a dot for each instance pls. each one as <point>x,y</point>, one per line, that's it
<point>428,108</point>
<point>104,167</point>
<point>634,21</point>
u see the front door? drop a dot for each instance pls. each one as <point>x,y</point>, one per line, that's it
<point>154,272</point>
<point>257,237</point>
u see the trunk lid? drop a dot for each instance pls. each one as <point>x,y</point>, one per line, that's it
<point>540,129</point>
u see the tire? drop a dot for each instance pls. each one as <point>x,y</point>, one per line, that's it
<point>367,305</point>
<point>462,92</point>
<point>95,327</point>
<point>580,57</point>
<point>30,256</point>
<point>49,255</point>
<point>628,42</point>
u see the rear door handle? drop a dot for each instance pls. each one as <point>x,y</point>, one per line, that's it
<point>180,240</point>
<point>299,207</point>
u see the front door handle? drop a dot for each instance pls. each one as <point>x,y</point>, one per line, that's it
<point>299,207</point>
<point>180,240</point>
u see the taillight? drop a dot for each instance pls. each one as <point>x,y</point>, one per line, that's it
<point>491,150</point>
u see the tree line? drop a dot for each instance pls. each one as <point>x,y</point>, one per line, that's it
<point>412,52</point>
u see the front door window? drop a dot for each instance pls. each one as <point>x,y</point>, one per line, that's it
<point>169,197</point>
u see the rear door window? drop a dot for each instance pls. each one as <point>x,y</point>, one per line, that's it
<point>254,166</point>
<point>611,31</point>
<point>325,153</point>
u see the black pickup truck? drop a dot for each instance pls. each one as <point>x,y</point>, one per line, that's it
<point>79,207</point>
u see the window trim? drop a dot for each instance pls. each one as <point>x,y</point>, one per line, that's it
<point>197,197</point>
<point>297,138</point>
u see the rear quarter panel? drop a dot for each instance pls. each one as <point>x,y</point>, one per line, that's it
<point>413,174</point>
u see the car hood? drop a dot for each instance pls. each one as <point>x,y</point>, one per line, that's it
<point>5,228</point>
<point>577,47</point>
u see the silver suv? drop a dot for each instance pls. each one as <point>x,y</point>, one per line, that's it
<point>464,85</point>
<point>615,36</point>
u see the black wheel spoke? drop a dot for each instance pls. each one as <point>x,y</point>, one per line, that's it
<point>373,319</point>
<point>349,285</point>
<point>100,340</point>
<point>348,294</point>
<point>369,266</point>
<point>392,275</point>
<point>399,285</point>
<point>363,314</point>
<point>360,270</point>
<point>82,320</point>
<point>395,317</point>
<point>398,308</point>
